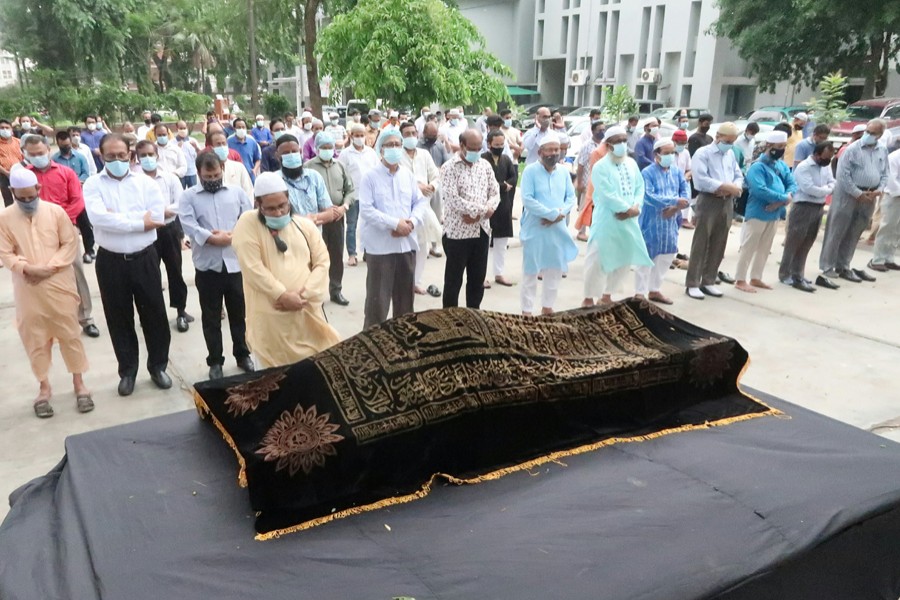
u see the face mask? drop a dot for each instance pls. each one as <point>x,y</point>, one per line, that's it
<point>868,139</point>
<point>723,146</point>
<point>599,135</point>
<point>543,123</point>
<point>278,223</point>
<point>654,131</point>
<point>683,125</point>
<point>40,162</point>
<point>704,128</point>
<point>798,127</point>
<point>64,150</point>
<point>666,160</point>
<point>92,126</point>
<point>326,155</point>
<point>620,149</point>
<point>221,152</point>
<point>823,162</point>
<point>748,136</point>
<point>148,163</point>
<point>776,153</point>
<point>430,140</point>
<point>549,161</point>
<point>212,186</point>
<point>5,133</point>
<point>29,208</point>
<point>292,160</point>
<point>679,148</point>
<point>240,133</point>
<point>182,133</point>
<point>454,122</point>
<point>472,156</point>
<point>410,143</point>
<point>307,126</point>
<point>260,124</point>
<point>334,122</point>
<point>629,129</point>
<point>392,156</point>
<point>497,151</point>
<point>164,139</point>
<point>26,126</point>
<point>146,121</point>
<point>507,122</point>
<point>117,168</point>
<point>76,139</point>
<point>359,142</point>
<point>356,118</point>
<point>277,134</point>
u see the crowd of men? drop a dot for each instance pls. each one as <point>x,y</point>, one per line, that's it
<point>270,210</point>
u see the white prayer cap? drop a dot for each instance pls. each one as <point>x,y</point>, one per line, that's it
<point>776,137</point>
<point>269,183</point>
<point>20,177</point>
<point>564,139</point>
<point>334,115</point>
<point>357,128</point>
<point>802,116</point>
<point>551,137</point>
<point>663,142</point>
<point>859,128</point>
<point>614,131</point>
<point>306,115</point>
<point>728,128</point>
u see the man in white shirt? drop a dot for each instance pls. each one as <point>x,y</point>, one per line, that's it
<point>234,172</point>
<point>336,131</point>
<point>168,238</point>
<point>126,210</point>
<point>451,130</point>
<point>144,129</point>
<point>304,131</point>
<point>171,156</point>
<point>532,139</point>
<point>77,146</point>
<point>420,121</point>
<point>888,237</point>
<point>358,159</point>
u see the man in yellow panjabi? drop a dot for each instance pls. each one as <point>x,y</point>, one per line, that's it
<point>38,244</point>
<point>285,265</point>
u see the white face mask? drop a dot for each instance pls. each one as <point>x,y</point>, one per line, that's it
<point>92,126</point>
<point>358,141</point>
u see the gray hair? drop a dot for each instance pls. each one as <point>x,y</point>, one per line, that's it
<point>880,122</point>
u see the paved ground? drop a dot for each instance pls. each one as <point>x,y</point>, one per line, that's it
<point>832,352</point>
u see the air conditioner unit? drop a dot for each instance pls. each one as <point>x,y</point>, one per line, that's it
<point>650,76</point>
<point>578,77</point>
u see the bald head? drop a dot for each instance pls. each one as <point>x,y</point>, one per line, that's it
<point>430,130</point>
<point>470,139</point>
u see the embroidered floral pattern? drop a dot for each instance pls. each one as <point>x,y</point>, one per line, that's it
<point>712,360</point>
<point>300,441</point>
<point>247,397</point>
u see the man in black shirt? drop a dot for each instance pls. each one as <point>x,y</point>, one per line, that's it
<point>700,137</point>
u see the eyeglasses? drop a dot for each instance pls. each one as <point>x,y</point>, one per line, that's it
<point>123,156</point>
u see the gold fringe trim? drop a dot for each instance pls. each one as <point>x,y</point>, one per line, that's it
<point>203,411</point>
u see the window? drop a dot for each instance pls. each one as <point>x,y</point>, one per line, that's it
<point>892,112</point>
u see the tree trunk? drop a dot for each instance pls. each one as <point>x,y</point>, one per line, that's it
<point>254,75</point>
<point>312,65</point>
<point>883,60</point>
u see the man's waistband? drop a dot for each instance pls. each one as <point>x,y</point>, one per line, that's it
<point>127,257</point>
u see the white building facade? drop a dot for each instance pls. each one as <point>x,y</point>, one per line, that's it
<point>572,50</point>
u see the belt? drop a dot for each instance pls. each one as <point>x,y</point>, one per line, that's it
<point>869,189</point>
<point>127,257</point>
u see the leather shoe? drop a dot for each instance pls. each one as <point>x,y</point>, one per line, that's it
<point>892,266</point>
<point>879,268</point>
<point>339,299</point>
<point>695,293</point>
<point>725,277</point>
<point>246,364</point>
<point>185,316</point>
<point>849,276</point>
<point>161,380</point>
<point>91,331</point>
<point>215,372</point>
<point>824,282</point>
<point>802,285</point>
<point>126,385</point>
<point>181,324</point>
<point>709,290</point>
<point>861,273</point>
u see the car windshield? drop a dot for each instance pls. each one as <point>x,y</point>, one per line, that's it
<point>861,112</point>
<point>767,115</point>
<point>663,113</point>
<point>579,128</point>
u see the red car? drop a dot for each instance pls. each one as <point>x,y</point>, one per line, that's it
<point>864,110</point>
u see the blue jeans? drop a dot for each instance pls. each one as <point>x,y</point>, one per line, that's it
<point>188,181</point>
<point>352,219</point>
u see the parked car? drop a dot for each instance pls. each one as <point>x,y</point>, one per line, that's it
<point>646,107</point>
<point>866,110</point>
<point>340,110</point>
<point>579,113</point>
<point>773,115</point>
<point>669,113</point>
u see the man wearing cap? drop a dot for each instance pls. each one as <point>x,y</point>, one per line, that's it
<point>126,210</point>
<point>643,150</point>
<point>888,237</point>
<point>815,182</point>
<point>666,193</point>
<point>683,162</point>
<point>862,175</point>
<point>209,213</point>
<point>771,188</point>
<point>615,241</point>
<point>261,133</point>
<point>796,136</point>
<point>471,194</point>
<point>358,159</point>
<point>304,131</point>
<point>855,134</point>
<point>373,128</point>
<point>309,148</point>
<point>284,267</point>
<point>391,208</point>
<point>532,138</point>
<point>342,195</point>
<point>718,181</point>
<point>548,196</point>
<point>337,132</point>
<point>420,120</point>
<point>38,244</point>
<point>452,129</point>
<point>393,121</point>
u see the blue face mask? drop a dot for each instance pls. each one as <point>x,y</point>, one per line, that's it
<point>620,149</point>
<point>679,148</point>
<point>29,208</point>
<point>162,140</point>
<point>410,143</point>
<point>472,156</point>
<point>221,152</point>
<point>507,123</point>
<point>392,156</point>
<point>866,140</point>
<point>724,147</point>
<point>40,162</point>
<point>278,223</point>
<point>277,134</point>
<point>148,163</point>
<point>292,160</point>
<point>117,168</point>
<point>454,122</point>
<point>683,125</point>
<point>666,160</point>
<point>325,155</point>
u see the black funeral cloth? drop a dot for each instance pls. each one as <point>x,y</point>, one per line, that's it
<point>790,508</point>
<point>467,394</point>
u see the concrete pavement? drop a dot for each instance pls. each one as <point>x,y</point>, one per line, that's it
<point>833,352</point>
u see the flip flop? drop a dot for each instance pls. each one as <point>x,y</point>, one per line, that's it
<point>84,404</point>
<point>434,291</point>
<point>42,409</point>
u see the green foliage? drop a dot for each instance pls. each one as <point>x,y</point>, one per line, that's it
<point>412,53</point>
<point>619,104</point>
<point>275,105</point>
<point>187,105</point>
<point>830,107</point>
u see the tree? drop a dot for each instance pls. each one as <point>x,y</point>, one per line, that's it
<point>830,107</point>
<point>619,104</point>
<point>275,105</point>
<point>411,53</point>
<point>801,41</point>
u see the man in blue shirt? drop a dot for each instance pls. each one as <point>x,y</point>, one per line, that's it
<point>68,158</point>
<point>772,187</point>
<point>91,137</point>
<point>209,213</point>
<point>805,148</point>
<point>261,133</point>
<point>643,150</point>
<point>246,147</point>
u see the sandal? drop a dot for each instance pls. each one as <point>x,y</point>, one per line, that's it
<point>434,291</point>
<point>84,404</point>
<point>352,261</point>
<point>42,409</point>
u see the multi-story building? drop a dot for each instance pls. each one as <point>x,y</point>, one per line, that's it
<point>9,72</point>
<point>571,51</point>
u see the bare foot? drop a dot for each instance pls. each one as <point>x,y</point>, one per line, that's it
<point>420,291</point>
<point>526,314</point>
<point>587,303</point>
<point>744,287</point>
<point>760,284</point>
<point>658,297</point>
<point>546,311</point>
<point>487,284</point>
<point>638,296</point>
<point>606,299</point>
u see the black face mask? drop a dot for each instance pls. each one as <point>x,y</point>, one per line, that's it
<point>497,151</point>
<point>292,173</point>
<point>823,162</point>
<point>64,150</point>
<point>430,140</point>
<point>703,128</point>
<point>549,161</point>
<point>776,153</point>
<point>146,121</point>
<point>211,186</point>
